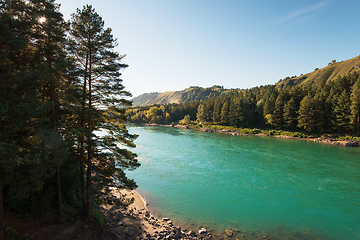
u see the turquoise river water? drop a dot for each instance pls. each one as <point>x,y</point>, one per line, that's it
<point>249,183</point>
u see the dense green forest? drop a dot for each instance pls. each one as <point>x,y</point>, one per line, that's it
<point>59,83</point>
<point>194,93</point>
<point>323,107</point>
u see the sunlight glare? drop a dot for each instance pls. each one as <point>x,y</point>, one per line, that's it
<point>42,20</point>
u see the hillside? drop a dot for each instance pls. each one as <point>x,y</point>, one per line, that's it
<point>332,71</point>
<point>190,94</point>
<point>194,93</point>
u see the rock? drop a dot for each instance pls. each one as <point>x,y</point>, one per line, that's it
<point>203,230</point>
<point>228,232</point>
<point>131,233</point>
<point>165,219</point>
<point>190,233</point>
<point>178,233</point>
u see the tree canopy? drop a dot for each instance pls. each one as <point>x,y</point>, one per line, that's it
<point>59,83</point>
<point>325,107</point>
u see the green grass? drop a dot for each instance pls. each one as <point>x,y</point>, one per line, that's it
<point>327,73</point>
<point>275,132</point>
<point>187,95</point>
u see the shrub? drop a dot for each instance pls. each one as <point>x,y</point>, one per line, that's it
<point>250,131</point>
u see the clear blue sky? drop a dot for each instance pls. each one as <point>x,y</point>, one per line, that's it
<point>174,44</point>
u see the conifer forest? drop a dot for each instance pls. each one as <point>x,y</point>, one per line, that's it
<point>325,107</point>
<point>60,83</point>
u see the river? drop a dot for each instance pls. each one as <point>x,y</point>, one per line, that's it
<point>249,183</point>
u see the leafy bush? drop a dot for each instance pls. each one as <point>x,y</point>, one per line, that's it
<point>185,121</point>
<point>250,131</point>
<point>97,214</point>
<point>349,138</point>
<point>299,135</point>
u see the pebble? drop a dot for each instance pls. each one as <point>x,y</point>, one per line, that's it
<point>202,230</point>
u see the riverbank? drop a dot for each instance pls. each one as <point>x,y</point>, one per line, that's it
<point>172,137</point>
<point>137,222</point>
<point>324,140</point>
<point>134,222</point>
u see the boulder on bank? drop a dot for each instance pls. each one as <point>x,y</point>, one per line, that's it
<point>202,230</point>
<point>228,232</point>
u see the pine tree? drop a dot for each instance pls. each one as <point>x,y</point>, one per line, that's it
<point>290,114</point>
<point>306,116</point>
<point>19,105</point>
<point>93,46</point>
<point>355,105</point>
<point>278,114</point>
<point>201,114</point>
<point>341,110</point>
<point>224,114</point>
<point>49,30</point>
<point>260,112</point>
<point>217,111</point>
<point>11,45</point>
<point>270,96</point>
<point>321,111</point>
<point>235,112</point>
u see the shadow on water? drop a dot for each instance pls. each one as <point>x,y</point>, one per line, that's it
<point>165,130</point>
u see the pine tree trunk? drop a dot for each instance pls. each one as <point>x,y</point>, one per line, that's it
<point>88,179</point>
<point>82,147</point>
<point>59,190</point>
<point>88,190</point>
<point>55,149</point>
<point>1,213</point>
<point>82,178</point>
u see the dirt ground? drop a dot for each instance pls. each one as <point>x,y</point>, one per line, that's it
<point>48,227</point>
<point>131,222</point>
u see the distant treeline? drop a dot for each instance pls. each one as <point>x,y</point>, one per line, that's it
<point>321,107</point>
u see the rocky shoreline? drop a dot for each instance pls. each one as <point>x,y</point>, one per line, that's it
<point>327,140</point>
<point>136,222</point>
<point>331,141</point>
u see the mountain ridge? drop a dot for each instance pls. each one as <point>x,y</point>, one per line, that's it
<point>331,71</point>
<point>195,93</point>
<point>192,93</point>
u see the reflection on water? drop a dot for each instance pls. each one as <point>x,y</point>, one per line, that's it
<point>250,184</point>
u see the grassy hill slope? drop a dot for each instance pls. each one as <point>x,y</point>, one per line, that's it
<point>187,95</point>
<point>332,71</point>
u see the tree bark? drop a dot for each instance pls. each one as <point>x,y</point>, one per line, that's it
<point>59,190</point>
<point>82,147</point>
<point>1,213</point>
<point>88,190</point>
<point>55,150</point>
